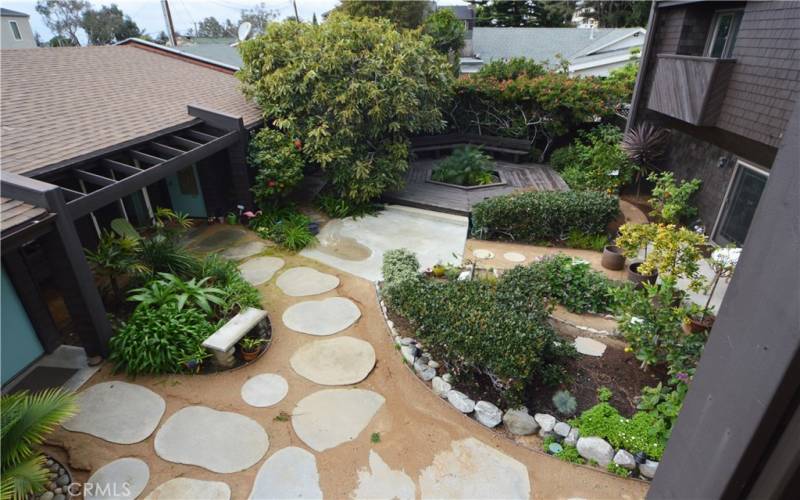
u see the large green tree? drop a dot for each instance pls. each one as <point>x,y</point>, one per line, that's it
<point>108,24</point>
<point>349,92</point>
<point>63,17</point>
<point>210,27</point>
<point>523,13</point>
<point>259,16</point>
<point>616,14</point>
<point>407,14</point>
<point>446,30</point>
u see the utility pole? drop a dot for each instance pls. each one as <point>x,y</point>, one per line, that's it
<point>296,16</point>
<point>170,27</point>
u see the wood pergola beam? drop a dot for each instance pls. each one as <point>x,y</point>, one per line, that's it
<point>146,158</point>
<point>185,142</point>
<point>95,179</point>
<point>120,167</point>
<point>167,150</point>
<point>201,135</point>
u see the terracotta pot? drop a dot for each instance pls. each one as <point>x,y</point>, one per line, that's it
<point>613,258</point>
<point>248,356</point>
<point>706,249</point>
<point>634,276</point>
<point>696,325</point>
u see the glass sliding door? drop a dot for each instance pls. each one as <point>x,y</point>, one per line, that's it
<point>740,204</point>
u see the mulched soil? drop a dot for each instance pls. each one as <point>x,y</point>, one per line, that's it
<point>617,370</point>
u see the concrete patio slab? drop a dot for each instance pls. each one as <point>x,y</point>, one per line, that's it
<point>219,441</point>
<point>514,257</point>
<point>124,478</point>
<point>194,489</point>
<point>379,481</point>
<point>302,281</point>
<point>265,390</point>
<point>328,418</point>
<point>472,469</point>
<point>118,412</point>
<point>337,361</point>
<point>321,317</point>
<point>357,245</point>
<point>289,473</point>
<point>482,253</point>
<point>259,270</point>
<point>244,250</point>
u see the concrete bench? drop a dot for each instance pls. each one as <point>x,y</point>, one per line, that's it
<point>222,343</point>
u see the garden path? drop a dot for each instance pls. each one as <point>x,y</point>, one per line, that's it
<point>401,438</point>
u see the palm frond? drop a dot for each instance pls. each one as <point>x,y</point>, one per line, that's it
<point>23,479</point>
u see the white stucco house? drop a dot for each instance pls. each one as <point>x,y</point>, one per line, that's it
<point>15,30</point>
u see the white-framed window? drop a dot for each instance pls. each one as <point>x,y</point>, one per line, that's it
<point>722,36</point>
<point>740,203</point>
<point>15,30</point>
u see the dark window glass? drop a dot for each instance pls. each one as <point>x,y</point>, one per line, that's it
<point>187,182</point>
<point>15,30</point>
<point>741,205</point>
<point>726,28</point>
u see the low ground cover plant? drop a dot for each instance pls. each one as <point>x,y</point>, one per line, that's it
<point>285,226</point>
<point>474,328</point>
<point>466,166</point>
<point>543,215</point>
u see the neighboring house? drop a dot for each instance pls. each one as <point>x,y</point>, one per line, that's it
<point>91,134</point>
<point>465,14</point>
<point>723,78</point>
<point>588,51</point>
<point>222,50</point>
<point>15,30</point>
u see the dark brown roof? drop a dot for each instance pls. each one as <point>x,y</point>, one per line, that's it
<point>14,213</point>
<point>61,103</point>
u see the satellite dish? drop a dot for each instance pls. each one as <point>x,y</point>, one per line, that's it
<point>244,31</point>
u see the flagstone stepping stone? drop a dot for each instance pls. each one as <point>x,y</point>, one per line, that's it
<point>244,250</point>
<point>321,317</point>
<point>302,281</point>
<point>259,270</point>
<point>383,482</point>
<point>121,479</point>
<point>474,470</point>
<point>117,412</point>
<point>265,390</point>
<point>330,417</point>
<point>514,257</point>
<point>219,441</point>
<point>289,473</point>
<point>183,487</point>
<point>589,347</point>
<point>336,361</point>
<point>482,253</point>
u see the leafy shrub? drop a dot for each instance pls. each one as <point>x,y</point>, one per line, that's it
<point>352,90</point>
<point>278,163</point>
<point>466,166</point>
<point>446,30</point>
<point>642,432</point>
<point>161,339</point>
<point>285,226</point>
<point>563,280</point>
<point>161,254</point>
<point>115,256</point>
<point>565,403</point>
<point>670,200</point>
<point>564,157</point>
<point>577,239</point>
<point>618,470</point>
<point>597,162</point>
<point>651,324</point>
<point>543,215</point>
<point>171,288</point>
<point>26,421</point>
<point>570,454</point>
<point>510,69</point>
<point>339,208</point>
<point>475,329</point>
<point>238,294</point>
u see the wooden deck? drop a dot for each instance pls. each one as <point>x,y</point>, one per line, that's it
<point>421,193</point>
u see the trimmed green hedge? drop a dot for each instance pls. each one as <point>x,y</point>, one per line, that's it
<point>474,329</point>
<point>543,215</point>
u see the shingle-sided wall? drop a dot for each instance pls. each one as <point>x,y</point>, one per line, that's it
<point>766,80</point>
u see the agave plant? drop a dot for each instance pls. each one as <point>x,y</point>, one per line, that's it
<point>645,145</point>
<point>26,420</point>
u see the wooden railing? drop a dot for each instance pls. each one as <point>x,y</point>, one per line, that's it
<point>690,88</point>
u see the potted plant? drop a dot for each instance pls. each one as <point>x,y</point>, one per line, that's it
<point>251,347</point>
<point>438,270</point>
<point>613,258</point>
<point>193,362</point>
<point>670,250</point>
<point>232,218</point>
<point>723,262</point>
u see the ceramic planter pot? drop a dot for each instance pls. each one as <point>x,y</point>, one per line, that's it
<point>248,356</point>
<point>636,277</point>
<point>613,258</point>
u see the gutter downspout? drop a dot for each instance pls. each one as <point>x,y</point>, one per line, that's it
<point>643,64</point>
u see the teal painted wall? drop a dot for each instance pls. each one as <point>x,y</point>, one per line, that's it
<point>19,345</point>
<point>186,194</point>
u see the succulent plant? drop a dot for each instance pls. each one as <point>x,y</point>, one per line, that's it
<point>565,403</point>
